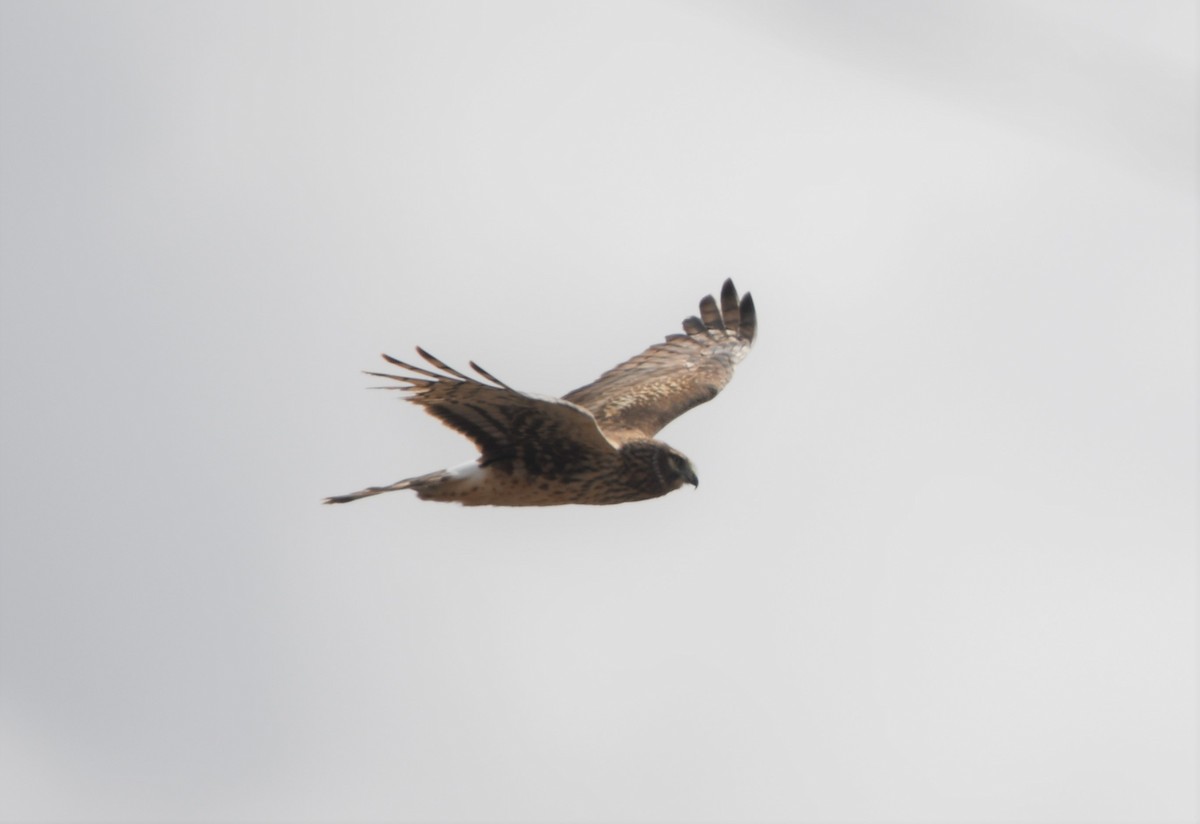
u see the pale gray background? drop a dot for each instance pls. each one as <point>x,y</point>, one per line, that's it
<point>942,563</point>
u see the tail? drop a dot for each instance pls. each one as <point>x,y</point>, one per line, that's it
<point>407,483</point>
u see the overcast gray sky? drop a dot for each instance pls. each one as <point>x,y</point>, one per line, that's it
<point>942,565</point>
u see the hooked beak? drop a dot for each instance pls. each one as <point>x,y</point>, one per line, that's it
<point>689,476</point>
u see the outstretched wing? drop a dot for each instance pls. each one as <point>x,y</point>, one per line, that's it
<point>545,435</point>
<point>648,391</point>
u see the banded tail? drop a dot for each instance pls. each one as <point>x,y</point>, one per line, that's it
<point>418,484</point>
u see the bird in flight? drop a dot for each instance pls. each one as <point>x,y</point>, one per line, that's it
<point>594,445</point>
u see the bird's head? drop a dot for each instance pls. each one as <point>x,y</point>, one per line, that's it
<point>653,468</point>
<point>677,470</point>
<point>688,473</point>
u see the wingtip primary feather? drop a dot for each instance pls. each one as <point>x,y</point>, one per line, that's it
<point>711,314</point>
<point>733,315</point>
<point>730,310</point>
<point>451,375</point>
<point>749,317</point>
<point>441,365</point>
<point>490,376</point>
<point>419,370</point>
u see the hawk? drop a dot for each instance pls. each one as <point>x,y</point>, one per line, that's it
<point>594,445</point>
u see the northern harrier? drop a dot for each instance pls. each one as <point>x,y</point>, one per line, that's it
<point>594,445</point>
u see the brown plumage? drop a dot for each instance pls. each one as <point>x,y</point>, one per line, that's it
<point>595,445</point>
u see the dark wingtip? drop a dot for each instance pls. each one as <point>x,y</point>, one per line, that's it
<point>489,376</point>
<point>432,361</point>
<point>749,318</point>
<point>710,314</point>
<point>729,306</point>
<point>437,362</point>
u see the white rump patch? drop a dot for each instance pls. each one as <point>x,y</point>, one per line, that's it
<point>466,472</point>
